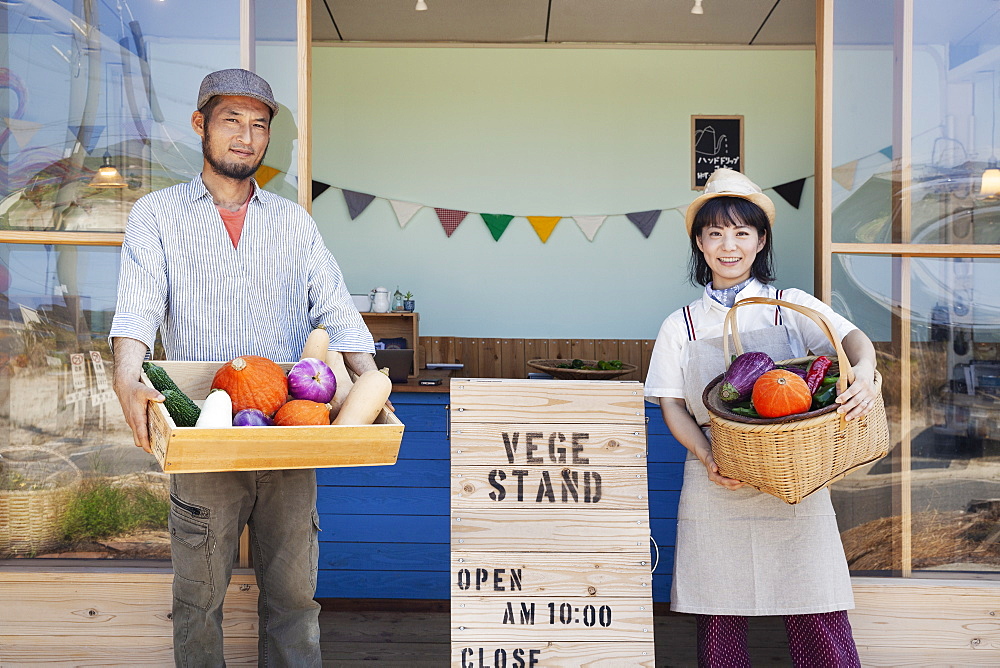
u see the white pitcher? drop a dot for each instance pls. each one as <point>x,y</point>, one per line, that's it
<point>380,300</point>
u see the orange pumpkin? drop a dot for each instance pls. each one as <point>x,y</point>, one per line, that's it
<point>778,393</point>
<point>302,412</point>
<point>253,382</point>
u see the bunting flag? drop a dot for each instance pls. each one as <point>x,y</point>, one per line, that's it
<point>589,225</point>
<point>87,135</point>
<point>318,188</point>
<point>791,192</point>
<point>357,202</point>
<point>544,225</point>
<point>844,174</point>
<point>497,223</point>
<point>450,219</point>
<point>404,210</point>
<point>887,152</point>
<point>265,174</point>
<point>644,220</point>
<point>23,131</point>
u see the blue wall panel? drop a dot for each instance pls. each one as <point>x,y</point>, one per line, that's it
<point>386,528</point>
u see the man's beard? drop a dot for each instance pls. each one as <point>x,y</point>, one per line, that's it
<point>232,170</point>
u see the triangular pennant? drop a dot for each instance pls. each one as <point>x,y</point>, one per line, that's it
<point>265,174</point>
<point>404,210</point>
<point>318,188</point>
<point>544,225</point>
<point>844,174</point>
<point>644,220</point>
<point>589,225</point>
<point>791,192</point>
<point>23,131</point>
<point>887,152</point>
<point>497,223</point>
<point>87,135</point>
<point>450,219</point>
<point>357,202</point>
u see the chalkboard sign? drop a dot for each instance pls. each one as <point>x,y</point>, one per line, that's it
<point>716,141</point>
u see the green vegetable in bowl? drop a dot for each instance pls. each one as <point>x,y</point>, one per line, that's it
<point>600,365</point>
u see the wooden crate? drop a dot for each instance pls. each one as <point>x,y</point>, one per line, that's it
<point>200,450</point>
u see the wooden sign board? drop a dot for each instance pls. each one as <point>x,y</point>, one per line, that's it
<point>716,141</point>
<point>549,524</point>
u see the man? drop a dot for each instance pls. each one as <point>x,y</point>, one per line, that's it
<point>222,268</point>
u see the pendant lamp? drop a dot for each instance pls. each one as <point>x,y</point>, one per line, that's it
<point>108,175</point>
<point>990,185</point>
<point>697,8</point>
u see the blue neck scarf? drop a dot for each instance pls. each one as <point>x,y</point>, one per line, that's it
<point>727,296</point>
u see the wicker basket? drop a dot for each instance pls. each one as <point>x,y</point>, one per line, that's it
<point>551,367</point>
<point>791,458</point>
<point>30,519</point>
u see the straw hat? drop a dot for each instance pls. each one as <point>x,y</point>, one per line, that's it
<point>729,183</point>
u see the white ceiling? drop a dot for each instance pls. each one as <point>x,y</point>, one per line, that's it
<point>725,22</point>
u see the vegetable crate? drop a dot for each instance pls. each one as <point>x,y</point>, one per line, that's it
<point>201,450</point>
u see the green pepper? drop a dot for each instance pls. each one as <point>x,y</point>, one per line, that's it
<point>745,411</point>
<point>824,397</point>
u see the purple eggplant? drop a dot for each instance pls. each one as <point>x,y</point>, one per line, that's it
<point>251,417</point>
<point>738,382</point>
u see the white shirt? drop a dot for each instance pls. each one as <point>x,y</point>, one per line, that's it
<point>668,361</point>
<point>212,302</point>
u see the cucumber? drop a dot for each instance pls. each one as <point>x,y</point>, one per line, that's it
<point>158,377</point>
<point>183,411</point>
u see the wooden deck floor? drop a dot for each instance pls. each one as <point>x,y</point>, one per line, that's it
<point>420,638</point>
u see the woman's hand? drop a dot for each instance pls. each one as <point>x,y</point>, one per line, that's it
<point>713,471</point>
<point>858,399</point>
<point>686,430</point>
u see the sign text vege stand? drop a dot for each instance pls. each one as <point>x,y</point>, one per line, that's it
<point>550,524</point>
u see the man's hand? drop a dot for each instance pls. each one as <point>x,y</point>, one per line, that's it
<point>133,395</point>
<point>361,362</point>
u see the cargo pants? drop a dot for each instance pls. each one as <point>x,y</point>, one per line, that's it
<point>207,514</point>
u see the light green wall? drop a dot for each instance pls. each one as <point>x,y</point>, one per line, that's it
<point>545,132</point>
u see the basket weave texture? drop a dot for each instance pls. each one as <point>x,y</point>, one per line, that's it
<point>30,519</point>
<point>791,458</point>
<point>551,367</point>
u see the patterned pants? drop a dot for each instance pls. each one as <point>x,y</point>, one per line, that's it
<point>821,640</point>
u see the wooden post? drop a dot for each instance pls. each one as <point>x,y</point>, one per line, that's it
<point>550,531</point>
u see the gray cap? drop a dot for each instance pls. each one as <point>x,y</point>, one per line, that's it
<point>236,82</point>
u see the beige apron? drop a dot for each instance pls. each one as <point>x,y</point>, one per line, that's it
<point>744,552</point>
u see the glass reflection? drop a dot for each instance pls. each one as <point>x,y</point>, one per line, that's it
<point>954,138</point>
<point>954,443</point>
<point>63,433</point>
<point>87,79</point>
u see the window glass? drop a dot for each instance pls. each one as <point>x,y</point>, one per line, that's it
<point>112,86</point>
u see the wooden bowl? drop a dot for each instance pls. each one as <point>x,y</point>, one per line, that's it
<point>551,367</point>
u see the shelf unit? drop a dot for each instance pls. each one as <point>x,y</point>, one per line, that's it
<point>396,324</point>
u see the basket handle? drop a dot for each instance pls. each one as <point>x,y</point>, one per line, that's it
<point>729,327</point>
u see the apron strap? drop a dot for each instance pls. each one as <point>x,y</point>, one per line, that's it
<point>689,319</point>
<point>689,324</point>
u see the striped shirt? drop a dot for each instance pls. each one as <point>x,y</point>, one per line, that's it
<point>181,275</point>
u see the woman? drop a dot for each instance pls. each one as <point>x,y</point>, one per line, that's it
<point>741,552</point>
